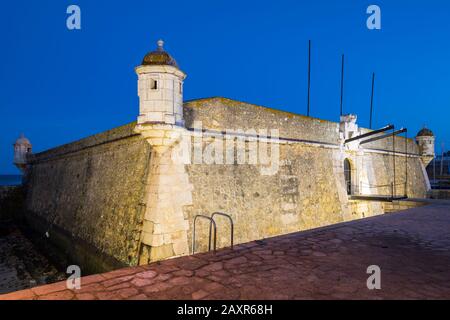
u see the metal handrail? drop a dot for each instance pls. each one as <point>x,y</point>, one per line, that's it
<point>368,185</point>
<point>211,222</point>
<point>231,224</point>
<point>392,194</point>
<point>371,133</point>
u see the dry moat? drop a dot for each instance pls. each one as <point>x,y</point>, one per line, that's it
<point>22,264</point>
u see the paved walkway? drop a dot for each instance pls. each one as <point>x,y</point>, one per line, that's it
<point>412,248</point>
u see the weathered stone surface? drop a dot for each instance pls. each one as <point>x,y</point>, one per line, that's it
<point>98,187</point>
<point>307,191</point>
<point>122,193</point>
<point>411,248</point>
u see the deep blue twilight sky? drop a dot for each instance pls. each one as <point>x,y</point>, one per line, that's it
<point>59,85</point>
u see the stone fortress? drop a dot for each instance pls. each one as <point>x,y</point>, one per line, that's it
<point>130,195</point>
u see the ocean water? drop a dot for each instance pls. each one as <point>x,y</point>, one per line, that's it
<point>10,179</point>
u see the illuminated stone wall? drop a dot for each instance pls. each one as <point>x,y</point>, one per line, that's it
<point>93,190</point>
<point>307,191</point>
<point>122,193</point>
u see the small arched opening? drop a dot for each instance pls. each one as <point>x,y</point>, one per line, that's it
<point>348,176</point>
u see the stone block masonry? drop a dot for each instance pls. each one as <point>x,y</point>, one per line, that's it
<point>308,190</point>
<point>410,247</point>
<point>165,228</point>
<point>94,191</point>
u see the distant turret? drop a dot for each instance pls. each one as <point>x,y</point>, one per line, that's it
<point>425,140</point>
<point>22,148</point>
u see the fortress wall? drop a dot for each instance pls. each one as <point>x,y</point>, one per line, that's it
<point>301,195</point>
<point>108,136</point>
<point>105,193</point>
<point>221,114</point>
<point>308,191</point>
<point>383,167</point>
<point>91,191</point>
<point>388,144</point>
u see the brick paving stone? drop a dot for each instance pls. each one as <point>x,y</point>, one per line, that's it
<point>213,287</point>
<point>200,294</point>
<point>92,287</point>
<point>119,286</point>
<point>108,295</point>
<point>178,281</point>
<point>122,272</point>
<point>412,248</point>
<point>142,282</point>
<point>146,274</point>
<point>140,296</point>
<point>163,277</point>
<point>115,281</point>
<point>60,295</point>
<point>92,279</point>
<point>19,295</point>
<point>127,292</point>
<point>157,287</point>
<point>185,273</point>
<point>50,288</point>
<point>85,296</point>
<point>216,266</point>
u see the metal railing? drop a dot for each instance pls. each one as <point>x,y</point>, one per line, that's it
<point>231,224</point>
<point>212,224</point>
<point>390,188</point>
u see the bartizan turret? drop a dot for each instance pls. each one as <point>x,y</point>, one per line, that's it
<point>22,148</point>
<point>160,90</point>
<point>425,140</point>
<point>161,123</point>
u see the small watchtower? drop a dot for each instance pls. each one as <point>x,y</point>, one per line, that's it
<point>22,147</point>
<point>160,89</point>
<point>425,139</point>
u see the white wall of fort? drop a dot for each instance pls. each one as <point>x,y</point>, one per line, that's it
<point>132,202</point>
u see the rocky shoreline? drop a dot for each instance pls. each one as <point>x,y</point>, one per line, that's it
<point>22,266</point>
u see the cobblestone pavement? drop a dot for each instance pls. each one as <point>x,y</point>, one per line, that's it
<point>412,248</point>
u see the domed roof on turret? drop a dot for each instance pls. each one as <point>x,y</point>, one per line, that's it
<point>425,132</point>
<point>159,57</point>
<point>22,140</point>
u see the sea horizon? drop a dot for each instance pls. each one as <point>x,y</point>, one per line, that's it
<point>10,179</point>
